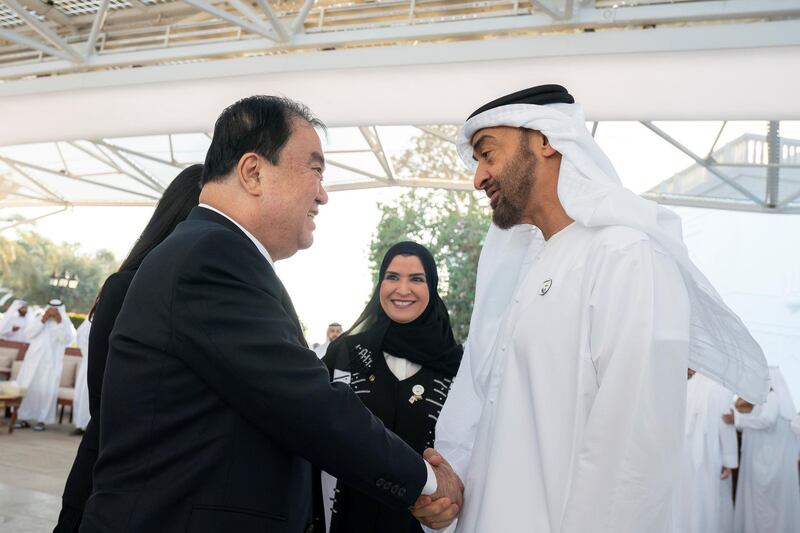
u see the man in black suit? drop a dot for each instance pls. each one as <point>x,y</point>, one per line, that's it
<point>213,408</point>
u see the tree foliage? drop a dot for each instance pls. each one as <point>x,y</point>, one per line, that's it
<point>30,260</point>
<point>452,224</point>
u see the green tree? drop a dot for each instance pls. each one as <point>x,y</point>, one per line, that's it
<point>451,223</point>
<point>7,253</point>
<point>36,257</point>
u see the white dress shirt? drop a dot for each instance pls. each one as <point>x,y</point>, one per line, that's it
<point>250,236</point>
<point>401,368</point>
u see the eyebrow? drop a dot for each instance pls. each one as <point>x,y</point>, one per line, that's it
<point>317,157</point>
<point>479,143</point>
<point>412,274</point>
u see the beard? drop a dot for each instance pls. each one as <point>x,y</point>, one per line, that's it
<point>516,184</point>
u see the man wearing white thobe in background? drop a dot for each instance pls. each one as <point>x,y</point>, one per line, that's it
<point>333,332</point>
<point>12,325</point>
<point>704,495</point>
<point>567,413</point>
<point>80,405</point>
<point>768,489</point>
<point>50,332</point>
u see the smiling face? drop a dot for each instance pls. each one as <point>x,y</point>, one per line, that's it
<point>506,172</point>
<point>404,289</point>
<point>293,192</point>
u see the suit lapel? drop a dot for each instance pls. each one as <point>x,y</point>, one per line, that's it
<point>200,213</point>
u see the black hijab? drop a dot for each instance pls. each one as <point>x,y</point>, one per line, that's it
<point>427,340</point>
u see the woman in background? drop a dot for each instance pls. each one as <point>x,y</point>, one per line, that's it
<point>400,357</point>
<point>174,206</point>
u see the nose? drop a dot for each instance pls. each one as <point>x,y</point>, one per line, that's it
<point>322,195</point>
<point>403,287</point>
<point>481,177</point>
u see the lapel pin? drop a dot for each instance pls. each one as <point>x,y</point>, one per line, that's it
<point>545,287</point>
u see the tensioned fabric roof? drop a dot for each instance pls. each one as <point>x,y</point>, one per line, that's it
<point>122,92</point>
<point>81,69</point>
<point>736,169</point>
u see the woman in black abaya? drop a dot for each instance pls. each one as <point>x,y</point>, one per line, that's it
<point>400,357</point>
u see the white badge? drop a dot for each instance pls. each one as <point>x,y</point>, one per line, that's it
<point>418,390</point>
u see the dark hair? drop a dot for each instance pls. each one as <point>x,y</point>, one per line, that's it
<point>178,199</point>
<point>260,124</point>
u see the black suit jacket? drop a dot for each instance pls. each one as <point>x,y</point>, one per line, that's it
<point>79,482</point>
<point>213,409</point>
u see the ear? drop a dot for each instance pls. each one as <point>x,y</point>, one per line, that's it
<point>248,173</point>
<point>547,148</point>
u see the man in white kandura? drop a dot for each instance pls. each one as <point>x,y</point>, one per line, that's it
<point>567,413</point>
<point>12,325</point>
<point>49,332</point>
<point>704,496</point>
<point>768,490</point>
<point>332,333</point>
<point>80,405</point>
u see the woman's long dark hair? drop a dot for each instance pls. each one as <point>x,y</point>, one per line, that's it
<point>179,198</point>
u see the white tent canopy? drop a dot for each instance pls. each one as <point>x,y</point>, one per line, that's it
<point>88,81</point>
<point>426,84</point>
<point>363,63</point>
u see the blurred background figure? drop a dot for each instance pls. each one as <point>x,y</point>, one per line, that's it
<point>704,499</point>
<point>49,334</point>
<point>174,206</point>
<point>768,488</point>
<point>400,357</point>
<point>12,325</point>
<point>80,405</point>
<point>333,332</point>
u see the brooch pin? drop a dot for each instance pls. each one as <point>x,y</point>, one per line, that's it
<point>418,391</point>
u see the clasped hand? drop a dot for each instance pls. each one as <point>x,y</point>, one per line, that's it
<point>438,510</point>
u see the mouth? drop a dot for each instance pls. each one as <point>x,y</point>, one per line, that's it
<point>312,215</point>
<point>494,195</point>
<point>403,303</point>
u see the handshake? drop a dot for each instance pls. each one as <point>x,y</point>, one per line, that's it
<point>438,510</point>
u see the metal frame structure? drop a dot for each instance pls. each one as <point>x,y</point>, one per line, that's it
<point>87,58</point>
<point>752,173</point>
<point>121,172</point>
<point>759,173</point>
<point>39,38</point>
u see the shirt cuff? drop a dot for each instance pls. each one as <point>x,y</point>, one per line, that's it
<point>737,419</point>
<point>730,461</point>
<point>431,484</point>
